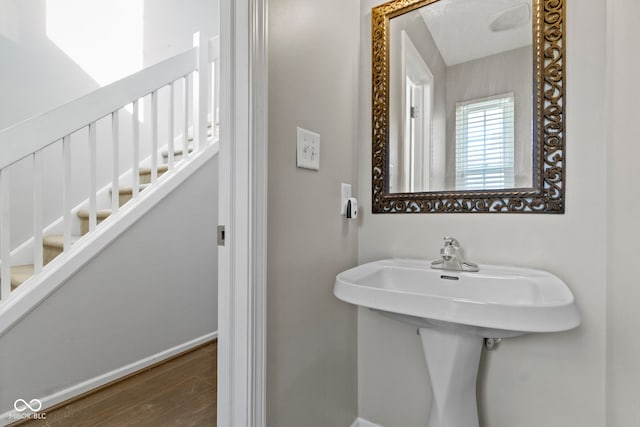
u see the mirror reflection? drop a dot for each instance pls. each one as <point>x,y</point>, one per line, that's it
<point>460,97</point>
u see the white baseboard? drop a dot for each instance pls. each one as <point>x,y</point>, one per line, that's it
<point>96,382</point>
<point>361,422</point>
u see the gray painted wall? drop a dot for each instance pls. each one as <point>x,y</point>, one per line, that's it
<point>311,349</point>
<point>623,320</point>
<point>551,380</point>
<point>151,289</point>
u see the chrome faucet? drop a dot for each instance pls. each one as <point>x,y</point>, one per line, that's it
<point>452,259</point>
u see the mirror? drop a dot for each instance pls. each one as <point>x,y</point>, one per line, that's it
<point>467,106</point>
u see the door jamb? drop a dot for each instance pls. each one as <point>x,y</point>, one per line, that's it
<point>243,212</point>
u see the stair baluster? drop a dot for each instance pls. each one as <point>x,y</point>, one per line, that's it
<point>136,149</point>
<point>66,192</point>
<point>115,142</point>
<point>171,119</point>
<point>93,166</point>
<point>154,136</point>
<point>5,235</point>
<point>37,212</point>
<point>187,103</point>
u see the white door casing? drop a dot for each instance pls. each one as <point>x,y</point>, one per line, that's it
<point>242,210</point>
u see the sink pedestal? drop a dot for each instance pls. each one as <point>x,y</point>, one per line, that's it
<point>453,311</point>
<point>452,360</point>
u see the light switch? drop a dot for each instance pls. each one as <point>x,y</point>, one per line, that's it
<point>308,149</point>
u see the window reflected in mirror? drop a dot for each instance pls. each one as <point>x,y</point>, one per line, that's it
<point>485,143</point>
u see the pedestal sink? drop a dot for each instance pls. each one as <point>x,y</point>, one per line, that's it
<point>454,312</point>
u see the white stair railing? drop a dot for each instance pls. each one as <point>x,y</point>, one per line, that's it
<point>28,139</point>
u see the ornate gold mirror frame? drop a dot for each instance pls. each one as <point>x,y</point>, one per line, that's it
<point>548,192</point>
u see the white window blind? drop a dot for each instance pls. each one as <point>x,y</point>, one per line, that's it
<point>484,143</point>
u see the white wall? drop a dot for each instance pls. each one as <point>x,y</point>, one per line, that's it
<point>35,75</point>
<point>311,348</point>
<point>170,24</point>
<point>551,380</point>
<point>623,344</point>
<point>151,289</point>
<point>39,73</point>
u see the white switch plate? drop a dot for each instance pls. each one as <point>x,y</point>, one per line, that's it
<point>308,149</point>
<point>345,193</point>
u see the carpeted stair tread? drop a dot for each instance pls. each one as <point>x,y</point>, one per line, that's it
<point>19,274</point>
<point>145,173</point>
<point>57,240</point>
<point>100,214</point>
<point>129,190</point>
<point>147,170</point>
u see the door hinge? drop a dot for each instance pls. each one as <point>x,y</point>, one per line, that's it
<point>221,235</point>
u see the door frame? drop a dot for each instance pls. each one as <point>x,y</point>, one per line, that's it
<point>242,263</point>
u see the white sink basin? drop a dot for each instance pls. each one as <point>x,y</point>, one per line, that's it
<point>454,310</point>
<point>495,302</point>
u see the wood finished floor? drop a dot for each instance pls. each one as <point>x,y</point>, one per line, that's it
<point>178,393</point>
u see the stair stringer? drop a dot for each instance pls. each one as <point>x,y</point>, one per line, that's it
<point>32,292</point>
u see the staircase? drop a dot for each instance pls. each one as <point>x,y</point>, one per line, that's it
<point>83,188</point>
<point>53,244</point>
<point>181,94</point>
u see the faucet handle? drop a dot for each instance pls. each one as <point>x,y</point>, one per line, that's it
<point>452,257</point>
<point>451,241</point>
<point>450,248</point>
